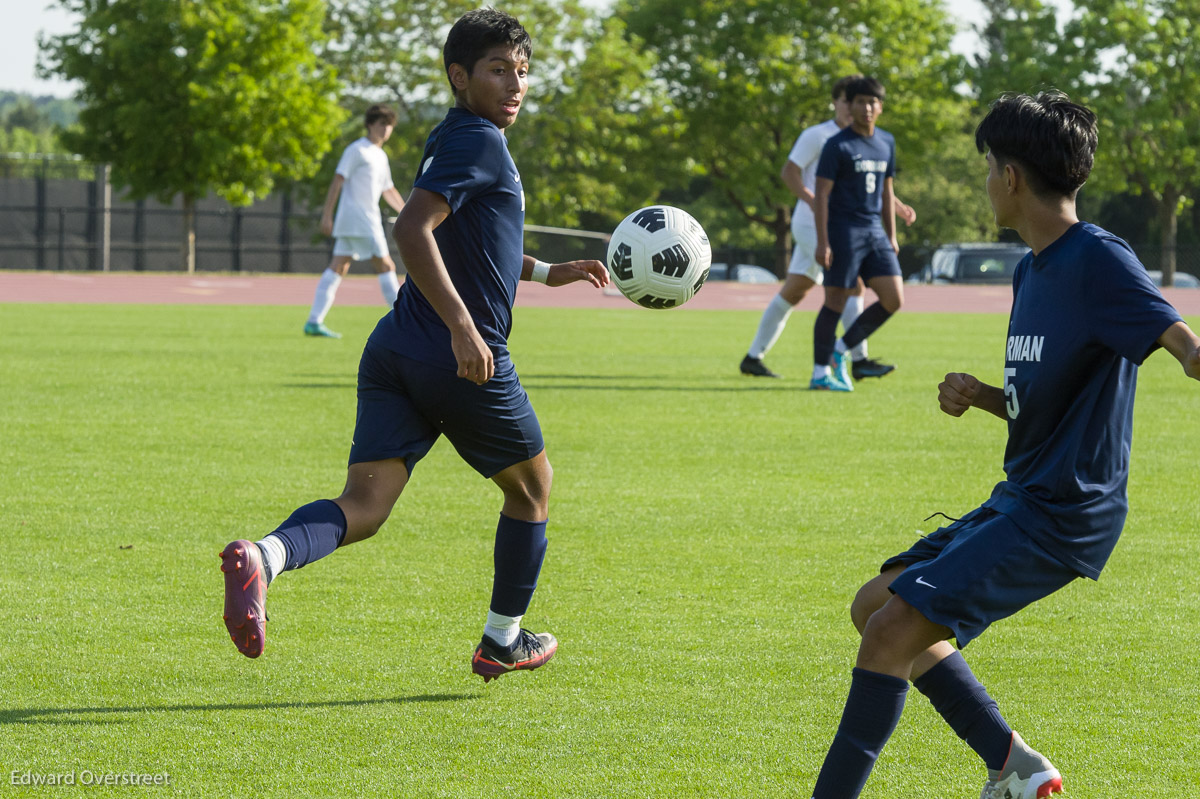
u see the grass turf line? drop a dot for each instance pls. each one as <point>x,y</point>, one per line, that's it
<point>707,532</point>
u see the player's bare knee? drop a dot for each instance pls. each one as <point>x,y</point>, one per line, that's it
<point>864,605</point>
<point>870,598</point>
<point>892,304</point>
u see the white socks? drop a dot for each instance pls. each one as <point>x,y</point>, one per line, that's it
<point>854,307</point>
<point>323,300</point>
<point>774,319</point>
<point>275,555</point>
<point>389,284</point>
<point>502,629</point>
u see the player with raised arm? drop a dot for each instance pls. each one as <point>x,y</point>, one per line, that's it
<point>1085,315</point>
<point>362,177</point>
<point>799,174</point>
<point>438,363</point>
<point>854,212</point>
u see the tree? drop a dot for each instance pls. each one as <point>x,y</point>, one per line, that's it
<point>184,97</point>
<point>1144,60</point>
<point>1024,50</point>
<point>746,77</point>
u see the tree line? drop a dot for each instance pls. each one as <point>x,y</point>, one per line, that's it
<point>694,104</point>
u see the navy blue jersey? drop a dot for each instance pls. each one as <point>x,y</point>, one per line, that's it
<point>857,165</point>
<point>466,160</point>
<point>1085,315</point>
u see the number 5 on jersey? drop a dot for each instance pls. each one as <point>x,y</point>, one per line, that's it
<point>1010,394</point>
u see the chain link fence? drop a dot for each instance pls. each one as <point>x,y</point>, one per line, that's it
<point>58,212</point>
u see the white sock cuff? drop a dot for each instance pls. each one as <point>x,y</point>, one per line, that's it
<point>498,622</point>
<point>502,629</point>
<point>276,555</point>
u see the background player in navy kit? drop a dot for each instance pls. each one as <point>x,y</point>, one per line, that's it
<point>856,232</point>
<point>799,174</point>
<point>438,363</point>
<point>1085,315</point>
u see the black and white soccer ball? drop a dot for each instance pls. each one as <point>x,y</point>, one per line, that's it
<point>659,256</point>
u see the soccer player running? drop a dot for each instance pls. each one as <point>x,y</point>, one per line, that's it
<point>855,218</point>
<point>438,363</point>
<point>1085,314</point>
<point>800,176</point>
<point>362,177</point>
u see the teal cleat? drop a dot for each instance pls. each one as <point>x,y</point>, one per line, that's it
<point>840,366</point>
<point>827,383</point>
<point>319,329</point>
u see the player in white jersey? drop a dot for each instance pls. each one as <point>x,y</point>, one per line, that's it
<point>800,175</point>
<point>364,174</point>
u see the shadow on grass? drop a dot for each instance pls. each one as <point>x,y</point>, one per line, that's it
<point>53,715</point>
<point>642,383</point>
<point>602,383</point>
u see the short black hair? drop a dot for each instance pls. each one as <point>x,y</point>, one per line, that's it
<point>377,113</point>
<point>839,88</point>
<point>1053,138</point>
<point>480,30</point>
<point>865,86</point>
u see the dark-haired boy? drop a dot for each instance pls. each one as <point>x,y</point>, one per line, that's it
<point>1085,314</point>
<point>856,233</point>
<point>799,174</point>
<point>438,363</point>
<point>361,178</point>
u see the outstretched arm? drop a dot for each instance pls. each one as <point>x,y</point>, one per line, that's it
<point>567,272</point>
<point>1180,341</point>
<point>413,233</point>
<point>960,391</point>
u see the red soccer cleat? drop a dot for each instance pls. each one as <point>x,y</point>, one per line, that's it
<point>245,596</point>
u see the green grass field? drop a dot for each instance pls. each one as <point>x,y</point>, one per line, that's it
<point>707,534</point>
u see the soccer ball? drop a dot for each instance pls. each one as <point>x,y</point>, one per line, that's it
<point>659,256</point>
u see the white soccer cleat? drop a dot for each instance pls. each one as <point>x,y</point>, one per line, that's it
<point>1026,775</point>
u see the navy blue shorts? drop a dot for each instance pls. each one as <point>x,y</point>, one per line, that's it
<point>404,405</point>
<point>976,571</point>
<point>859,251</point>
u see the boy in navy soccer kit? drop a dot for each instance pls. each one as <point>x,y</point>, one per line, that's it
<point>438,363</point>
<point>1085,314</point>
<point>856,233</point>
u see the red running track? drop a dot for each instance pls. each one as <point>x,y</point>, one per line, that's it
<point>265,289</point>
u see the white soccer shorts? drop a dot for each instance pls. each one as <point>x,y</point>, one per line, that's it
<point>362,248</point>
<point>804,254</point>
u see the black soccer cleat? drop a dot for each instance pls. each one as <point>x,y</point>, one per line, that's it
<point>530,651</point>
<point>869,367</point>
<point>755,367</point>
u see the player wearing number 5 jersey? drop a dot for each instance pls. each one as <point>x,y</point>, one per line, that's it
<point>1085,315</point>
<point>855,218</point>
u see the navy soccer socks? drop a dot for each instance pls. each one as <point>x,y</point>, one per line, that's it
<point>311,532</point>
<point>520,548</point>
<point>867,323</point>
<point>825,335</point>
<point>968,708</point>
<point>872,711</point>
